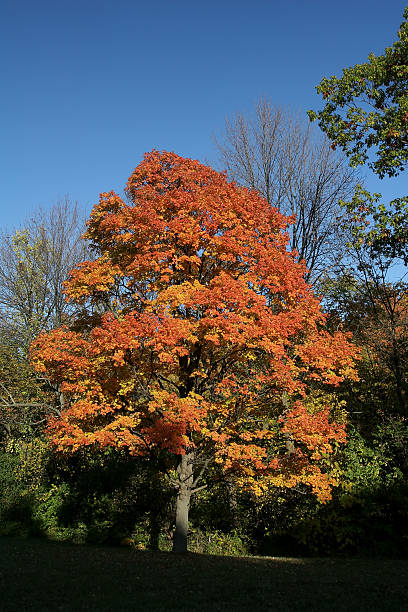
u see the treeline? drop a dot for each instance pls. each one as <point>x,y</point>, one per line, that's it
<point>355,251</point>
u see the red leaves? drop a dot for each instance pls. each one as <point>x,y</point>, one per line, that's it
<point>208,320</point>
<point>314,429</point>
<point>329,358</point>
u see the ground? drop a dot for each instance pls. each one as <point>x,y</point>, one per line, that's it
<point>42,575</point>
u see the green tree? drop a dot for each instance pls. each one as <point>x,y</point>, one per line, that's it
<point>22,399</point>
<point>375,310</point>
<point>366,114</point>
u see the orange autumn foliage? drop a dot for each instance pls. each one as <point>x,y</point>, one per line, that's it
<point>198,321</point>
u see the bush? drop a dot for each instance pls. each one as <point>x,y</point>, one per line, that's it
<point>369,512</point>
<point>16,503</point>
<point>218,543</point>
<point>371,524</point>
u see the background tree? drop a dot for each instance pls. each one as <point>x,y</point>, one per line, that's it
<point>363,300</point>
<point>209,323</point>
<point>366,115</point>
<point>383,327</point>
<point>295,169</point>
<point>34,261</point>
<point>22,396</point>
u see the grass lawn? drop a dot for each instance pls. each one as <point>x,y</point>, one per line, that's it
<point>42,575</point>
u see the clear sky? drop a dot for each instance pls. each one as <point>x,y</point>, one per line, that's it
<point>89,86</point>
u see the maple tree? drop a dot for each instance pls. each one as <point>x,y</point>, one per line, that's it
<point>199,336</point>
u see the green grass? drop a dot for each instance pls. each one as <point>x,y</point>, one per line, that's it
<point>42,575</point>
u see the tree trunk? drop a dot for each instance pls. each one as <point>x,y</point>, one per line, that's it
<point>398,374</point>
<point>233,503</point>
<point>289,441</point>
<point>186,477</point>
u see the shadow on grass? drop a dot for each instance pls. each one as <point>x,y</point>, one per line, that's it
<point>42,575</point>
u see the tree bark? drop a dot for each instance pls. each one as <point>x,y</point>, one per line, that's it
<point>398,374</point>
<point>186,478</point>
<point>289,441</point>
<point>233,503</point>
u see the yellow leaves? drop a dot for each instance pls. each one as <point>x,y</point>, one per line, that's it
<point>317,400</point>
<point>91,276</point>
<point>126,387</point>
<point>235,453</point>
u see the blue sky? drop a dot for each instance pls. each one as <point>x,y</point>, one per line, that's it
<point>88,87</point>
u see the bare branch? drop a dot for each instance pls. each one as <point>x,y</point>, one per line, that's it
<point>198,489</point>
<point>296,170</point>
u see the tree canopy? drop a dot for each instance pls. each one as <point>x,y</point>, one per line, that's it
<point>366,114</point>
<point>366,108</point>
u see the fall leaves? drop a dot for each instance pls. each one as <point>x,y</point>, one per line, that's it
<point>197,319</point>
